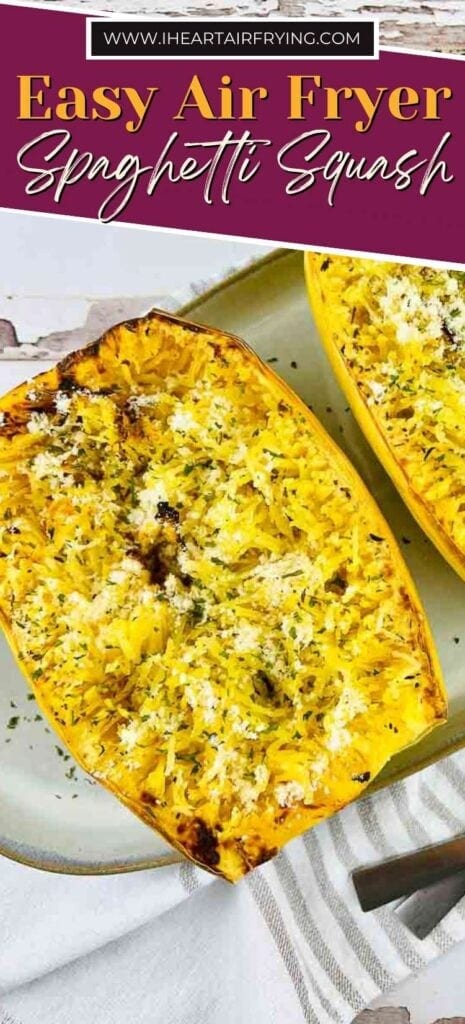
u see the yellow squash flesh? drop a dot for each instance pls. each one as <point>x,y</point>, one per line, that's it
<point>202,594</point>
<point>395,337</point>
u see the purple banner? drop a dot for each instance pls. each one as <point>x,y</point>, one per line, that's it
<point>363,155</point>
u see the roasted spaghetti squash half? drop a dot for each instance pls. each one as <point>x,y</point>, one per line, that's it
<point>203,596</point>
<point>395,336</point>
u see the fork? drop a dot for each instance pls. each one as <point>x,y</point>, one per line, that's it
<point>428,882</point>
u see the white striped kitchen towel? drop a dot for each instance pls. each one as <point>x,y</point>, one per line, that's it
<point>289,944</point>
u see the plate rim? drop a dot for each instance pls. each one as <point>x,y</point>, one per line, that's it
<point>88,869</point>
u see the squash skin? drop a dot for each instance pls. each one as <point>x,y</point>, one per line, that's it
<point>192,836</point>
<point>421,513</point>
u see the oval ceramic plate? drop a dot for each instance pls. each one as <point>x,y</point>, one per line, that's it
<point>51,815</point>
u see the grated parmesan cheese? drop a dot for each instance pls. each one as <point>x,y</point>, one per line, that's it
<point>289,793</point>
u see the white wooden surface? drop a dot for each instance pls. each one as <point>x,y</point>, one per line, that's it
<point>418,24</point>
<point>92,275</point>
